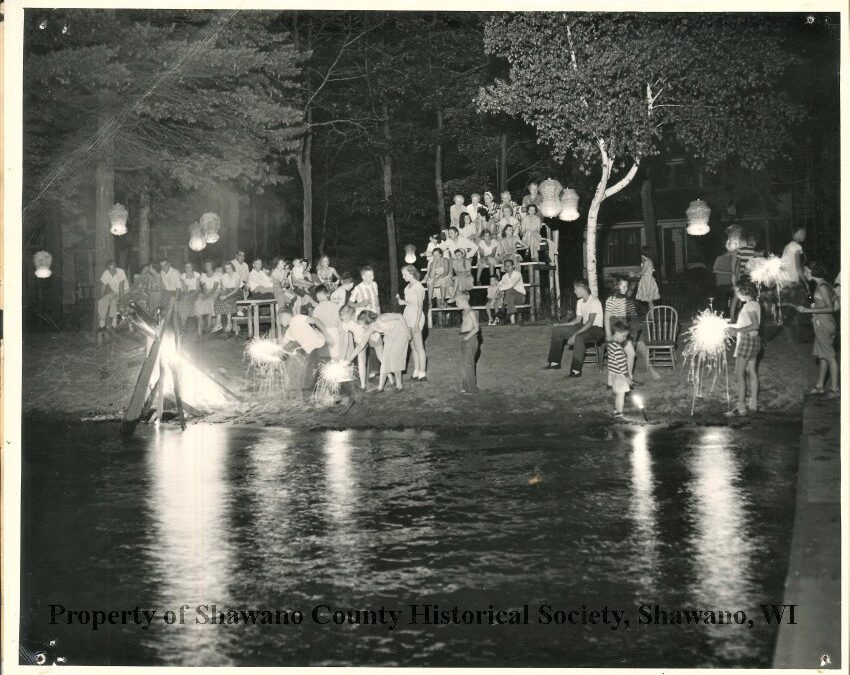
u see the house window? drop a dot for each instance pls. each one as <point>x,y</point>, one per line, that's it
<point>622,247</point>
<point>678,176</point>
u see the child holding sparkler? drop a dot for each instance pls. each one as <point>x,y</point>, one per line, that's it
<point>470,338</point>
<point>823,308</point>
<point>747,349</point>
<point>618,365</point>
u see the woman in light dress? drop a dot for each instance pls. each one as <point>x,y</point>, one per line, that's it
<point>396,334</point>
<point>413,302</point>
<point>647,290</point>
<point>205,302</point>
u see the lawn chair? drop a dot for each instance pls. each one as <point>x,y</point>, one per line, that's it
<point>662,326</point>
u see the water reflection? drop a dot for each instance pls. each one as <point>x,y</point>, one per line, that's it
<point>644,514</point>
<point>187,501</point>
<point>723,546</point>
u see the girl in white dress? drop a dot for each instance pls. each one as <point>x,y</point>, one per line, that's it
<point>647,290</point>
<point>414,315</point>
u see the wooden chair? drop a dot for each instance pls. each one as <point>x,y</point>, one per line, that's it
<point>662,326</point>
<point>594,352</point>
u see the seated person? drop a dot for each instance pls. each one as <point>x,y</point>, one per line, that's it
<point>511,288</point>
<point>585,328</point>
<point>259,282</point>
<point>619,307</point>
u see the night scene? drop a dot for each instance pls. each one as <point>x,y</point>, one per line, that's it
<point>427,339</point>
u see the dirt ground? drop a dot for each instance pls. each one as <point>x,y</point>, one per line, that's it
<point>70,375</point>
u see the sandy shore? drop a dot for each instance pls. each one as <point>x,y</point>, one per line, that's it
<point>70,375</point>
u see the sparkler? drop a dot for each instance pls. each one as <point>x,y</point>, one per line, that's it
<point>706,343</point>
<point>637,399</point>
<point>331,375</point>
<point>767,272</point>
<point>267,366</point>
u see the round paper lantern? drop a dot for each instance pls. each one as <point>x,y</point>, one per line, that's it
<point>210,225</point>
<point>697,215</point>
<point>550,191</point>
<point>569,205</point>
<point>42,261</point>
<point>118,219</point>
<point>197,242</point>
<point>410,254</point>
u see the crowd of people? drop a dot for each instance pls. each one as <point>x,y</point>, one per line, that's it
<point>331,316</point>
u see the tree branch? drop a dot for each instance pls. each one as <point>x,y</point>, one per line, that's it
<point>624,181</point>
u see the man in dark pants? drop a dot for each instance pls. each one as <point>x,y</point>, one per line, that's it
<point>585,328</point>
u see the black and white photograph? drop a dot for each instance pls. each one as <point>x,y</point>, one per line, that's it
<point>423,336</point>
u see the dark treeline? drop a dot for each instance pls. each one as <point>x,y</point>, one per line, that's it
<point>311,133</point>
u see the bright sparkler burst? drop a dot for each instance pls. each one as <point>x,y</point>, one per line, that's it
<point>707,341</point>
<point>267,366</point>
<point>766,271</point>
<point>331,375</point>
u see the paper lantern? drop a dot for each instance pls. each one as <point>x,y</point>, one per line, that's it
<point>569,205</point>
<point>410,254</point>
<point>197,242</point>
<point>42,261</point>
<point>118,219</point>
<point>550,191</point>
<point>210,225</point>
<point>697,215</point>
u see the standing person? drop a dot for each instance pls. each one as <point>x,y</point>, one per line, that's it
<point>365,294</point>
<point>439,280</point>
<point>260,284</point>
<point>210,283</point>
<point>343,291</point>
<point>823,308</point>
<point>350,327</point>
<point>619,375</point>
<point>241,267</point>
<point>225,303</point>
<point>488,255</point>
<point>470,334</point>
<point>723,280</point>
<point>619,307</point>
<point>171,283</point>
<point>585,327</point>
<point>647,290</point>
<point>745,252</point>
<point>396,338</point>
<point>189,286</point>
<point>113,286</point>
<point>413,302</point>
<point>747,349</point>
<point>512,289</point>
<point>327,275</point>
<point>794,289</point>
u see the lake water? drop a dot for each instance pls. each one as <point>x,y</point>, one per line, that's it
<point>265,518</point>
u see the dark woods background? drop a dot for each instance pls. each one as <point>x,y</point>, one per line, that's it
<point>342,134</point>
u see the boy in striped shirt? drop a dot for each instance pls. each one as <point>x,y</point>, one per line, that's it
<point>618,365</point>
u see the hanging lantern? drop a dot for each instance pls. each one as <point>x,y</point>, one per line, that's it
<point>410,254</point>
<point>210,225</point>
<point>569,205</point>
<point>118,219</point>
<point>42,261</point>
<point>197,242</point>
<point>697,214</point>
<point>550,191</point>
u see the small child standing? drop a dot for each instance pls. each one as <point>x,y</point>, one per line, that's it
<point>747,349</point>
<point>647,290</point>
<point>470,335</point>
<point>492,300</point>
<point>618,366</point>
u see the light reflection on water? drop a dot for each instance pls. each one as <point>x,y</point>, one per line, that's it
<point>257,517</point>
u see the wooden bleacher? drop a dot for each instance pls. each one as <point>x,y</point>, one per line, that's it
<point>531,278</point>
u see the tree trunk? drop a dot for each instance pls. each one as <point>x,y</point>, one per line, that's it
<point>503,162</point>
<point>104,248</point>
<point>649,221</point>
<point>304,160</point>
<point>387,175</point>
<point>144,230</point>
<point>438,173</point>
<point>592,214</point>
<point>232,201</point>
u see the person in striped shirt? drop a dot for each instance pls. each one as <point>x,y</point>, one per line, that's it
<point>619,306</point>
<point>618,365</point>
